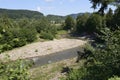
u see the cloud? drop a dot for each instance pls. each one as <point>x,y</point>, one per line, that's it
<point>39,8</point>
<point>43,8</point>
<point>49,0</point>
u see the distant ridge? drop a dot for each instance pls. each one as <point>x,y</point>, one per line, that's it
<point>17,14</point>
<point>77,14</point>
<point>56,18</point>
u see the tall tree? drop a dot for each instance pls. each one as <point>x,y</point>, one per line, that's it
<point>103,4</point>
<point>81,22</point>
<point>109,17</point>
<point>116,19</point>
<point>69,23</point>
<point>94,23</point>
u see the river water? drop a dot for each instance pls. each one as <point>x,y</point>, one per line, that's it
<point>55,57</point>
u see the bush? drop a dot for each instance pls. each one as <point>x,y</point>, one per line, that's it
<point>28,34</point>
<point>114,78</point>
<point>76,74</point>
<point>6,47</point>
<point>46,35</point>
<point>17,42</point>
<point>17,70</point>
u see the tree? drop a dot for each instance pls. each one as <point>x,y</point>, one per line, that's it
<point>41,25</point>
<point>69,23</point>
<point>81,22</point>
<point>94,23</point>
<point>103,4</point>
<point>109,17</point>
<point>116,19</point>
<point>104,58</point>
<point>23,22</point>
<point>29,34</point>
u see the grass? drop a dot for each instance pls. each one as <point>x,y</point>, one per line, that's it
<point>61,33</point>
<point>51,71</point>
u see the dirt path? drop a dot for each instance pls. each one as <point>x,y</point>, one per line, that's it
<point>43,48</point>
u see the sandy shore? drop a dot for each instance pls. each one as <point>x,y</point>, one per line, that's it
<point>42,48</point>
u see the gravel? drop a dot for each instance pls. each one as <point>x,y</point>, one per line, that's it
<point>42,48</point>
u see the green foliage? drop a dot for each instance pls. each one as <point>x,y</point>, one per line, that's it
<point>103,61</point>
<point>76,74</point>
<point>81,23</point>
<point>114,78</point>
<point>104,58</point>
<point>29,34</point>
<point>94,23</point>
<point>109,17</point>
<point>41,25</point>
<point>18,14</point>
<point>103,4</point>
<point>46,35</point>
<point>24,22</point>
<point>116,19</point>
<point>17,70</point>
<point>55,19</point>
<point>69,23</point>
<point>17,33</point>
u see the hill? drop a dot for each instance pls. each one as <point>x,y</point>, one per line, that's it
<point>15,14</point>
<point>77,14</point>
<point>56,18</point>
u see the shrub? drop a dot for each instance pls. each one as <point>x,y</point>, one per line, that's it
<point>17,42</point>
<point>6,47</point>
<point>28,34</point>
<point>14,70</point>
<point>114,78</point>
<point>76,74</point>
<point>46,35</point>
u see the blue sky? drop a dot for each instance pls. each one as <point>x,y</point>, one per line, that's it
<point>57,7</point>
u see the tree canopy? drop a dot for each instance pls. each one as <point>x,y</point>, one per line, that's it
<point>103,4</point>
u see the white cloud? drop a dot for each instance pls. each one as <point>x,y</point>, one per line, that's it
<point>39,8</point>
<point>43,8</point>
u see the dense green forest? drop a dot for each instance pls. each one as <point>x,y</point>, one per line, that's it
<point>102,57</point>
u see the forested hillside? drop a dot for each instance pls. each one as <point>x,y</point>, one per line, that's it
<point>16,14</point>
<point>56,18</point>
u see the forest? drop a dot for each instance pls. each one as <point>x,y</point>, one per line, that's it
<point>101,57</point>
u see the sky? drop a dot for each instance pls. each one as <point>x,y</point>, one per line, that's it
<point>56,7</point>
